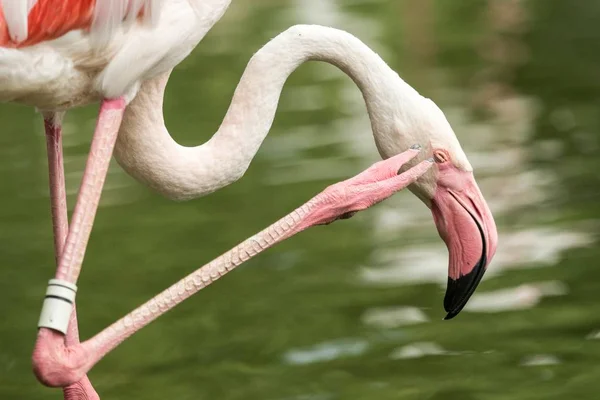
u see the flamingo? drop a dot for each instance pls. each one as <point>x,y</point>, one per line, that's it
<point>121,53</point>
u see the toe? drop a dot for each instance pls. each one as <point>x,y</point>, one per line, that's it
<point>391,167</point>
<point>406,178</point>
<point>373,193</point>
<point>385,169</point>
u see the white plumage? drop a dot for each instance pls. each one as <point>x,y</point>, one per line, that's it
<point>15,14</point>
<point>108,16</point>
<point>109,61</point>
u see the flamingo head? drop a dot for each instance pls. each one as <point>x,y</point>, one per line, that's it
<point>461,214</point>
<point>465,223</point>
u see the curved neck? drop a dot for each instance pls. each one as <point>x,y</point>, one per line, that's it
<point>147,152</point>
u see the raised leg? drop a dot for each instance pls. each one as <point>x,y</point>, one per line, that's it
<point>57,365</point>
<point>82,390</point>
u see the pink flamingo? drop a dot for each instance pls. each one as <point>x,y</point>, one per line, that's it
<point>121,53</point>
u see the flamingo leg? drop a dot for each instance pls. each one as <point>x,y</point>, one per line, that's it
<point>56,173</point>
<point>82,390</point>
<point>103,142</point>
<point>57,365</point>
<point>72,248</point>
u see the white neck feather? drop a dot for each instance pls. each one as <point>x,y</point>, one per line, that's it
<point>399,115</point>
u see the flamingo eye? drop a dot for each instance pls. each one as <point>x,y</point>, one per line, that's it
<point>440,156</point>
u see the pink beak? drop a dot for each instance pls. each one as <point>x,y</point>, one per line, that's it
<point>466,225</point>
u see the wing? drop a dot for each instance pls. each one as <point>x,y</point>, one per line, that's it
<point>28,22</point>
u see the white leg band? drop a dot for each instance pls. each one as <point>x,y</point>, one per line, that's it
<point>58,305</point>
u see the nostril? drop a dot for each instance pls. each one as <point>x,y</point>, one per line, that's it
<point>440,156</point>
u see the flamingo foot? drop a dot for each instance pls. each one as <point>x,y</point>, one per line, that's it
<point>380,181</point>
<point>56,365</point>
<point>82,390</point>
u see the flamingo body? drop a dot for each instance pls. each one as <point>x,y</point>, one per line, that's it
<point>27,22</point>
<point>96,50</point>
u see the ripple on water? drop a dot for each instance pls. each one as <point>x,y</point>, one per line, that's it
<point>538,360</point>
<point>418,350</point>
<point>393,317</point>
<point>516,298</point>
<point>536,247</point>
<point>594,335</point>
<point>326,351</point>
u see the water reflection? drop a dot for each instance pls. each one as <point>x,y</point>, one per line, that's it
<point>352,310</point>
<point>326,351</point>
<point>393,317</point>
<point>516,298</point>
<point>417,350</point>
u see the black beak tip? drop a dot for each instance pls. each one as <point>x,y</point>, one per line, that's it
<point>459,291</point>
<point>450,315</point>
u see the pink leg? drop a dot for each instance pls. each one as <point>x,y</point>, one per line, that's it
<point>105,136</point>
<point>57,365</point>
<point>82,390</point>
<point>56,172</point>
<point>71,257</point>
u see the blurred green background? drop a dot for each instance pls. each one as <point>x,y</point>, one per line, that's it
<point>352,310</point>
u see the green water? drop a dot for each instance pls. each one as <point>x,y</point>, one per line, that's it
<point>317,317</point>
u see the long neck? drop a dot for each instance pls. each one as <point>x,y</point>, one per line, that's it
<point>147,152</point>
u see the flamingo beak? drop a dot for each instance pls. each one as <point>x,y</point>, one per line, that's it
<point>466,225</point>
